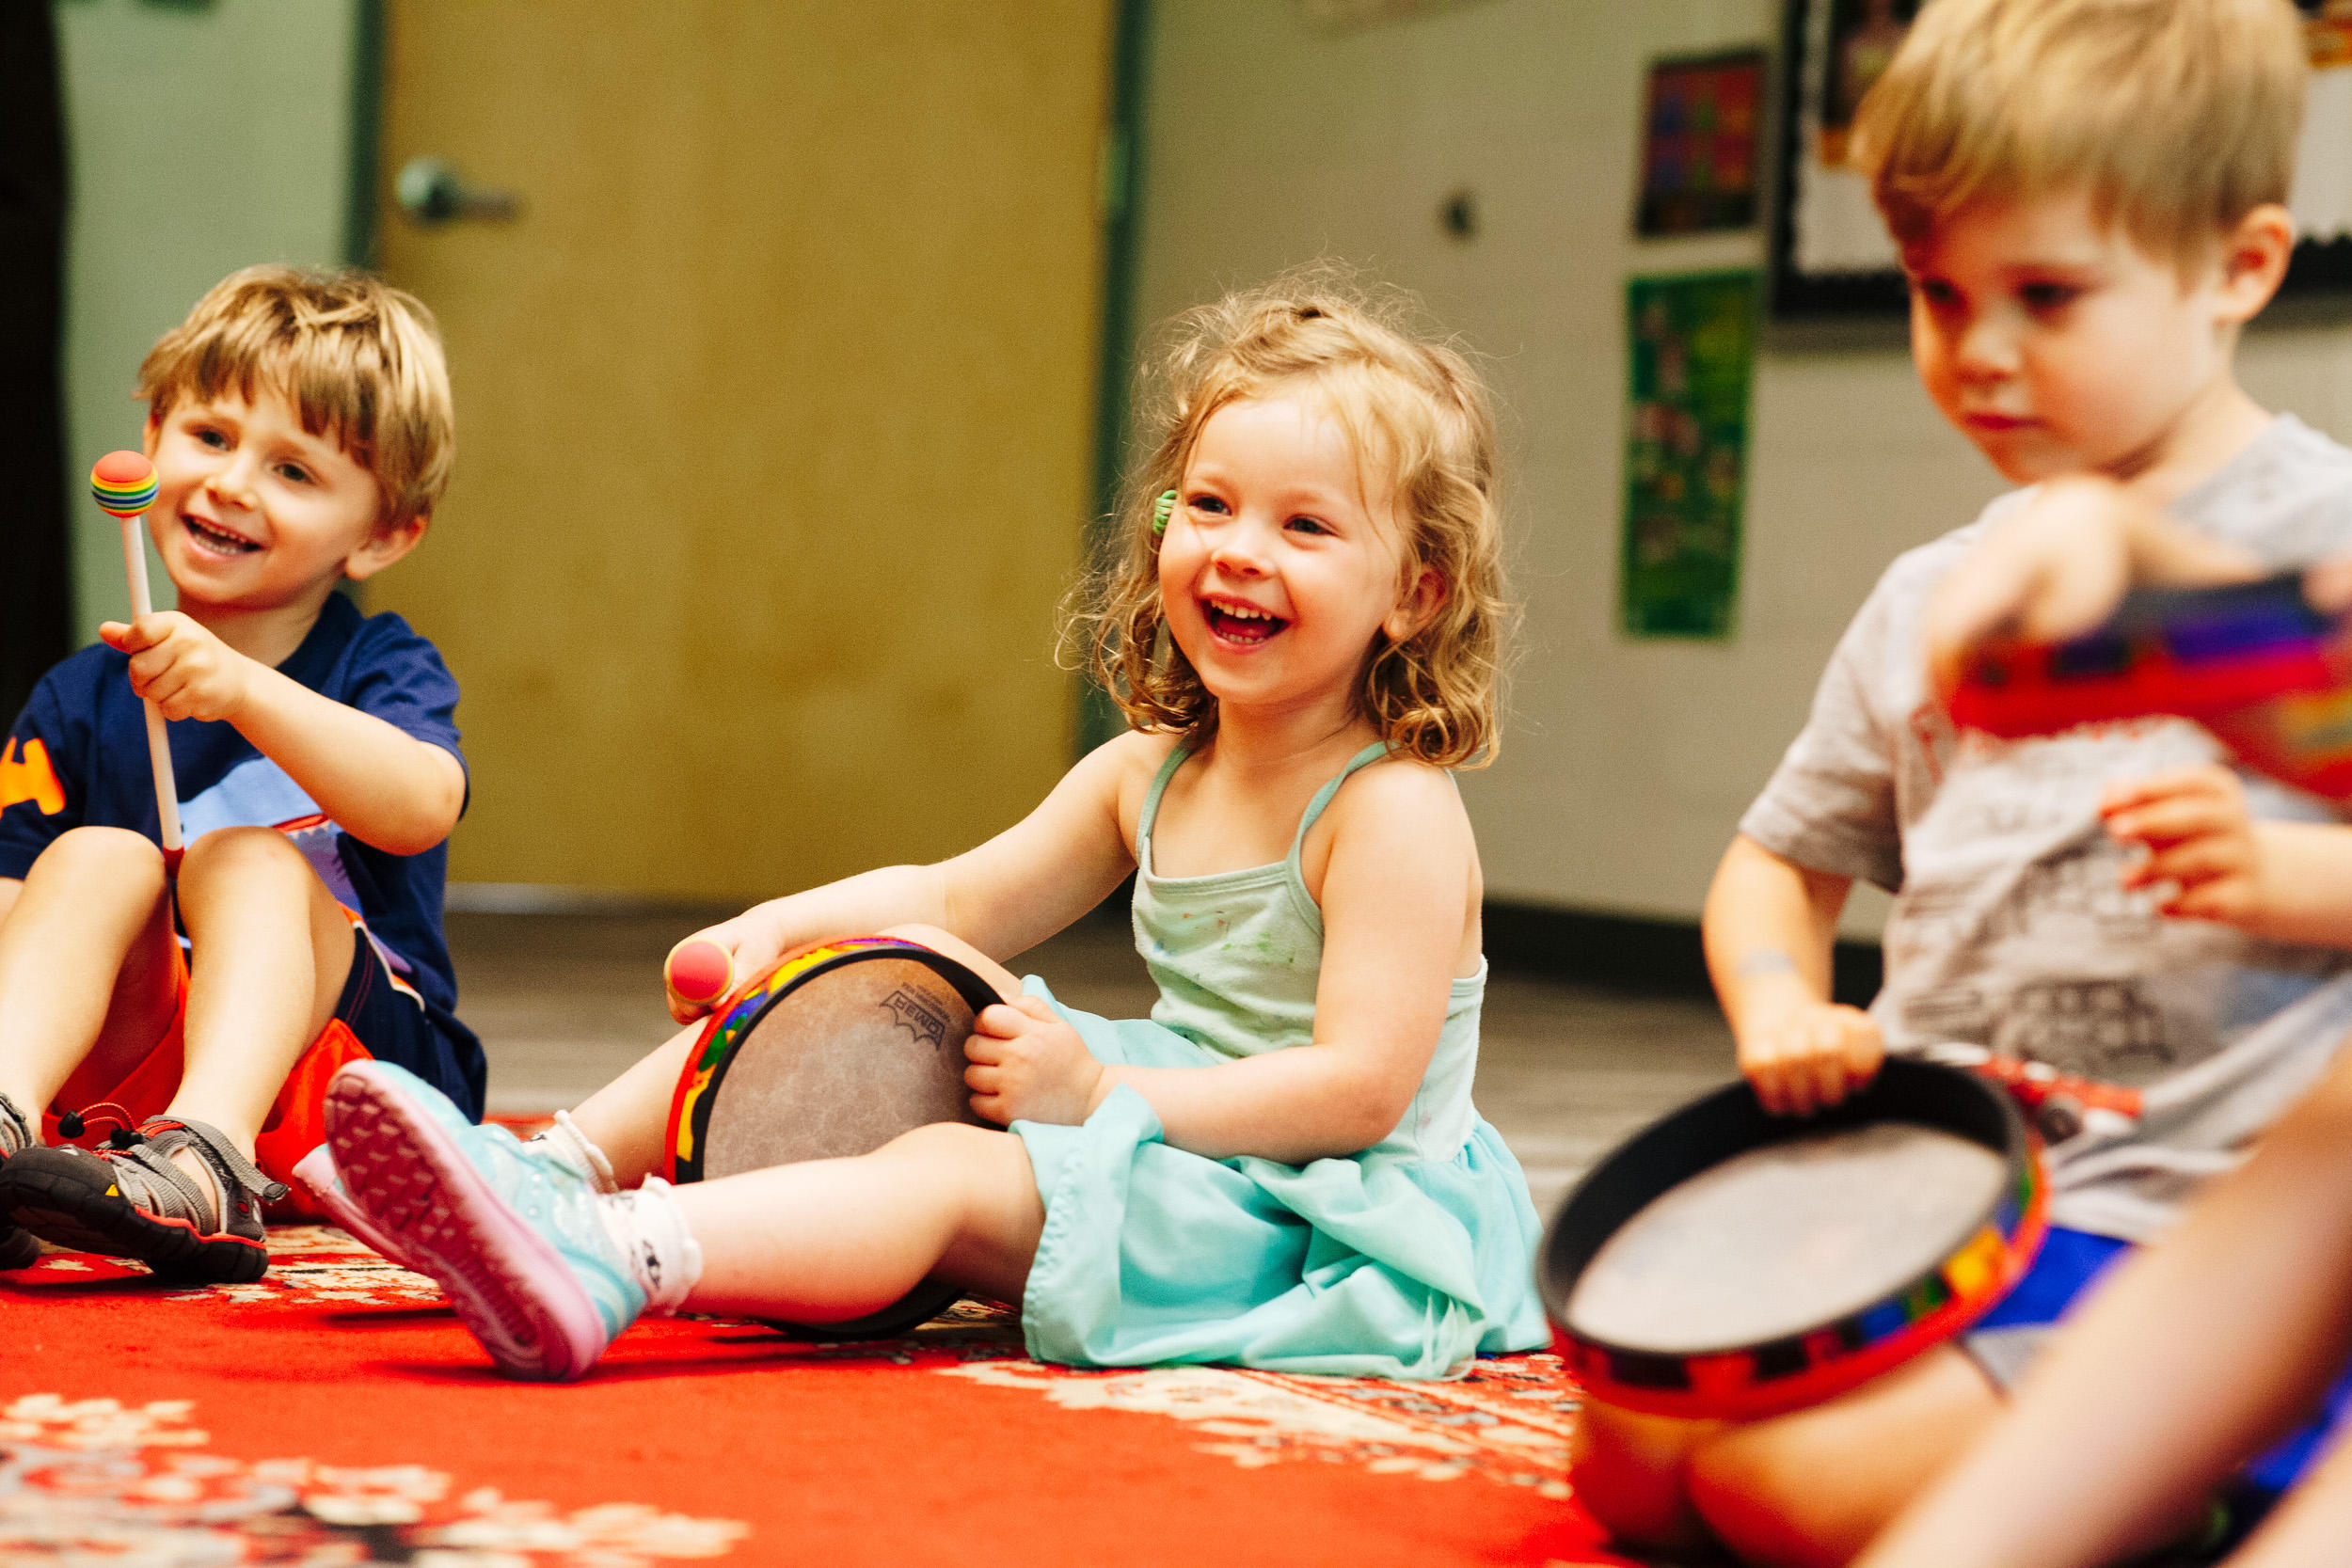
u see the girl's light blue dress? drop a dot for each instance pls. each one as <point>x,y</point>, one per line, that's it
<point>1404,1261</point>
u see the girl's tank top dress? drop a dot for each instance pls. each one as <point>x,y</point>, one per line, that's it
<point>1404,1261</point>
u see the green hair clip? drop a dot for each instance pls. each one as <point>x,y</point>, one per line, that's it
<point>1161,511</point>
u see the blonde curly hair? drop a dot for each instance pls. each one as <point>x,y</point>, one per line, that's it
<point>1422,423</point>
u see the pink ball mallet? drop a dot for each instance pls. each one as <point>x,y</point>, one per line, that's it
<point>699,971</point>
<point>124,485</point>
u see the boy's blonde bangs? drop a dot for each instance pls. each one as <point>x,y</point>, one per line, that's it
<point>1419,420</point>
<point>359,361</point>
<point>2177,116</point>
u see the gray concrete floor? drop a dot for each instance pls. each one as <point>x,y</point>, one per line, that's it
<point>563,1002</point>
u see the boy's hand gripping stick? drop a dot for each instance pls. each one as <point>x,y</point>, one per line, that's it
<point>124,485</point>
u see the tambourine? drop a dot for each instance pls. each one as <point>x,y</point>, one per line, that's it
<point>1728,1262</point>
<point>834,1051</point>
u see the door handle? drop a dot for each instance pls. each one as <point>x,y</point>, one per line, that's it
<point>431,193</point>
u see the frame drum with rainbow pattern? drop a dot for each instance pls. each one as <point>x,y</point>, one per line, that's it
<point>1728,1262</point>
<point>834,1050</point>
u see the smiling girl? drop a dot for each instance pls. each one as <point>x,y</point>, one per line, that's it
<point>1282,1168</point>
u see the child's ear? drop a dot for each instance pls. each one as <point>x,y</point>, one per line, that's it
<point>1415,605</point>
<point>386,546</point>
<point>2254,258</point>
<point>151,434</point>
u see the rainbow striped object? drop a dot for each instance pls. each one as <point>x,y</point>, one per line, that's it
<point>123,483</point>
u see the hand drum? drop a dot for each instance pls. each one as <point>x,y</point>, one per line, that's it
<point>834,1051</point>
<point>1726,1263</point>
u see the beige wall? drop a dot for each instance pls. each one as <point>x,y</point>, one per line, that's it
<point>202,139</point>
<point>1626,764</point>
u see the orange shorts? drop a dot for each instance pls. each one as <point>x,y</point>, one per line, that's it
<point>297,1123</point>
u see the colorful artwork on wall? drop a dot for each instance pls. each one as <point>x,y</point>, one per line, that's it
<point>1700,131</point>
<point>1691,355</point>
<point>1831,256</point>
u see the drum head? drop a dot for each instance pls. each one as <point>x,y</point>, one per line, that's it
<point>1730,1262</point>
<point>843,1063</point>
<point>832,1054</point>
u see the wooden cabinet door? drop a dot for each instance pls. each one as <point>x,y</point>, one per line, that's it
<point>774,405</point>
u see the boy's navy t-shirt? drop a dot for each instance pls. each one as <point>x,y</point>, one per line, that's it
<point>77,757</point>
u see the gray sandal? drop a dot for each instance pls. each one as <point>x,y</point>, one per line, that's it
<point>130,1200</point>
<point>19,1249</point>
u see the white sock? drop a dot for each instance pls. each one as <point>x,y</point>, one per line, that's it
<point>572,1146</point>
<point>651,1233</point>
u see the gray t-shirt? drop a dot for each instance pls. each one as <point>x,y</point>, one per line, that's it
<point>2009,930</point>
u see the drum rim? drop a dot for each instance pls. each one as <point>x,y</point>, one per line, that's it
<point>714,1048</point>
<point>1991,1251</point>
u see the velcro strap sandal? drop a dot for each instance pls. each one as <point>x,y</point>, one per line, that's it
<point>18,1247</point>
<point>130,1200</point>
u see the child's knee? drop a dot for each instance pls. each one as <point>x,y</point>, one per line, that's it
<point>124,859</point>
<point>954,946</point>
<point>1628,1469</point>
<point>233,848</point>
<point>953,1144</point>
<point>1756,1495</point>
<point>245,859</point>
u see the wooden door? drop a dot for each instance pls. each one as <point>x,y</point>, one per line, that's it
<point>774,408</point>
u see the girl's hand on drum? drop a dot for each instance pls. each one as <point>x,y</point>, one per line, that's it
<point>1811,1056</point>
<point>686,1009</point>
<point>2199,839</point>
<point>1028,1065</point>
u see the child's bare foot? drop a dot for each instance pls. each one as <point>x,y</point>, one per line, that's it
<point>157,1197</point>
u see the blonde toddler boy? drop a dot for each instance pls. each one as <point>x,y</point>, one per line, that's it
<point>183,1021</point>
<point>2088,196</point>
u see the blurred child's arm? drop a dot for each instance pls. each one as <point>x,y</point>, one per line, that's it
<point>1770,927</point>
<point>382,785</point>
<point>1397,897</point>
<point>2060,566</point>
<point>2283,882</point>
<point>2196,1354</point>
<point>9,888</point>
<point>1003,897</point>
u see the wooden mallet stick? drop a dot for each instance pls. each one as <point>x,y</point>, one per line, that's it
<point>124,485</point>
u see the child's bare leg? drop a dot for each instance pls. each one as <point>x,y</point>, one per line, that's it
<point>628,1118</point>
<point>1809,1487</point>
<point>828,1240</point>
<point>272,950</point>
<point>86,973</point>
<point>1632,1473</point>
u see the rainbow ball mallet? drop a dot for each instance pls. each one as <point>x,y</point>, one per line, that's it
<point>124,485</point>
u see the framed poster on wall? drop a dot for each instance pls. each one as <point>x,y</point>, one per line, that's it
<point>1832,257</point>
<point>1702,125</point>
<point>1690,358</point>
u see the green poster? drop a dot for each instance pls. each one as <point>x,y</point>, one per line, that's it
<point>1691,343</point>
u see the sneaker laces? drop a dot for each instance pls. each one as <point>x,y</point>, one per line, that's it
<point>148,1177</point>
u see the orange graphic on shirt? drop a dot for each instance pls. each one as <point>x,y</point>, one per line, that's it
<point>26,776</point>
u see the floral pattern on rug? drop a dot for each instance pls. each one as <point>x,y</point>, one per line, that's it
<point>308,1263</point>
<point>95,1480</point>
<point>1508,1419</point>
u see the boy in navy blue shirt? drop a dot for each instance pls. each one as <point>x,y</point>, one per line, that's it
<point>180,1024</point>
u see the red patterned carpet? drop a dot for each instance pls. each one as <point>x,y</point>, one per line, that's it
<point>336,1414</point>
